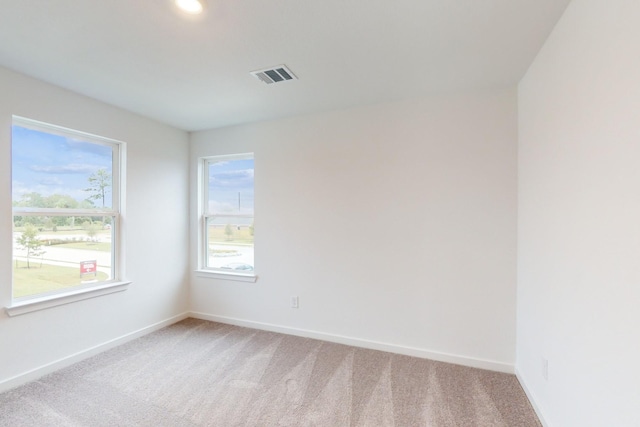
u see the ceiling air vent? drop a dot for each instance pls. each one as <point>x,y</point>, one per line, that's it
<point>279,73</point>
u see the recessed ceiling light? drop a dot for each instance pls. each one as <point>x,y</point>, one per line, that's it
<point>191,6</point>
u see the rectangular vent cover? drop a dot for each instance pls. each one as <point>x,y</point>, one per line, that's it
<point>279,73</point>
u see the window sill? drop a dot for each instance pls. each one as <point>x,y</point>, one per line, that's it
<point>35,304</point>
<point>238,277</point>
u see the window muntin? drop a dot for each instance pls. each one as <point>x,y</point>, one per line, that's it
<point>66,209</point>
<point>228,214</point>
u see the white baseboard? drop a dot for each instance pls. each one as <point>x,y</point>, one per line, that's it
<point>531,398</point>
<point>357,342</point>
<point>49,368</point>
<point>38,372</point>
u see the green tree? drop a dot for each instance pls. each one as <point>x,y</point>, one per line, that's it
<point>91,229</point>
<point>251,229</point>
<point>31,200</point>
<point>99,182</point>
<point>228,231</point>
<point>86,204</point>
<point>61,201</point>
<point>60,221</point>
<point>29,242</point>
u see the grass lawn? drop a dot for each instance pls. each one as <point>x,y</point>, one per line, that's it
<point>89,246</point>
<point>39,279</point>
<point>67,231</point>
<point>217,235</point>
<point>77,232</point>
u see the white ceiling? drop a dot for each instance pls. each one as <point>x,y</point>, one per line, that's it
<point>193,73</point>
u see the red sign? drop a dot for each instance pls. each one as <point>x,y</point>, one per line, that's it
<point>88,267</point>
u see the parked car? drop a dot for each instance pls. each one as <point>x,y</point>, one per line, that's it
<point>238,266</point>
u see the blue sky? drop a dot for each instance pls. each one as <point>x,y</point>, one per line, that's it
<point>227,179</point>
<point>52,164</point>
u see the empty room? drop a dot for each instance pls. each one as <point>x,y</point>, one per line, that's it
<point>290,213</point>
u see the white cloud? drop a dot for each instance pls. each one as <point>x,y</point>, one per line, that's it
<point>51,180</point>
<point>62,169</point>
<point>233,179</point>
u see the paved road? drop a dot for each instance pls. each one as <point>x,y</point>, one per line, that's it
<point>66,257</point>
<point>36,261</point>
<point>72,257</point>
<point>244,255</point>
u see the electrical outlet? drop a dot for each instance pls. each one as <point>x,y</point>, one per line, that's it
<point>294,302</point>
<point>545,369</point>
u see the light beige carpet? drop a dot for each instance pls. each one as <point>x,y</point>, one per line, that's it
<point>198,373</point>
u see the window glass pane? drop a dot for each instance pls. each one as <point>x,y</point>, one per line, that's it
<point>230,187</point>
<point>53,171</point>
<point>53,253</point>
<point>229,243</point>
<point>61,179</point>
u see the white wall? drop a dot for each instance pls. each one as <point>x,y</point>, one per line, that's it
<point>156,224</point>
<point>395,224</point>
<point>579,218</point>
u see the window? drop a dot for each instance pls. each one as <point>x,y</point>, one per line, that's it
<point>66,210</point>
<point>227,222</point>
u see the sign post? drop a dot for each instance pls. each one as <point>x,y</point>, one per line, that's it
<point>88,267</point>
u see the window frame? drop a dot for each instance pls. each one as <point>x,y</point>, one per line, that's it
<point>203,270</point>
<point>28,303</point>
